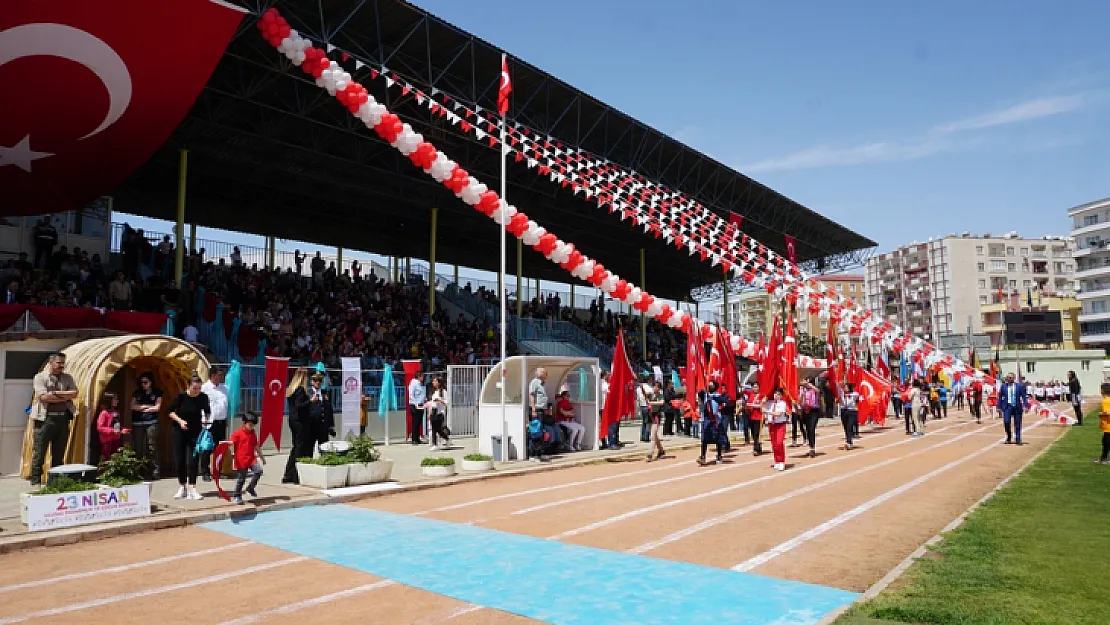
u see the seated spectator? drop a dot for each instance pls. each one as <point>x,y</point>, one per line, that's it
<point>564,412</point>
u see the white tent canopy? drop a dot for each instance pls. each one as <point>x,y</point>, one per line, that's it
<point>578,375</point>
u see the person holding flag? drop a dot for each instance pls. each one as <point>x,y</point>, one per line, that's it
<point>710,419</point>
<point>778,415</point>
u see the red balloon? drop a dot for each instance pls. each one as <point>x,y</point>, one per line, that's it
<point>665,314</point>
<point>546,244</point>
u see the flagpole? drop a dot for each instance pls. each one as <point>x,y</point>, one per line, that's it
<point>504,304</point>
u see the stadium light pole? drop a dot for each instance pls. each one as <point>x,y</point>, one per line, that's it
<point>501,295</point>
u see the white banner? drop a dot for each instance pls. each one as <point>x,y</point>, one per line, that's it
<point>47,512</point>
<point>352,396</point>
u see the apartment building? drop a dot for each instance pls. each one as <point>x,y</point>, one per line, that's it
<point>848,285</point>
<point>1091,232</point>
<point>935,288</point>
<point>750,314</point>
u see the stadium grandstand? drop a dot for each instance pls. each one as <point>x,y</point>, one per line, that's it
<point>264,151</point>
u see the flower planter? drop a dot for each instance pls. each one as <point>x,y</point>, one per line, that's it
<point>99,503</point>
<point>369,473</point>
<point>322,476</point>
<point>477,465</point>
<point>438,471</point>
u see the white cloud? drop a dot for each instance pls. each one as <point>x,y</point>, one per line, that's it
<point>876,152</point>
<point>1023,112</point>
<point>943,138</point>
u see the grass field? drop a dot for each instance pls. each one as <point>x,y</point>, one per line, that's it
<point>1038,552</point>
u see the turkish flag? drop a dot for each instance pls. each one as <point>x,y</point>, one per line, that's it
<point>788,368</point>
<point>273,400</point>
<point>791,249</point>
<point>218,455</point>
<point>874,394</point>
<point>735,220</point>
<point>694,379</point>
<point>94,88</point>
<point>505,89</point>
<point>622,388</point>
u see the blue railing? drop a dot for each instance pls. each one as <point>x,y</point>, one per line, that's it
<point>522,329</point>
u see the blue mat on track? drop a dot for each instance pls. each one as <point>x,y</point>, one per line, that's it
<point>540,579</point>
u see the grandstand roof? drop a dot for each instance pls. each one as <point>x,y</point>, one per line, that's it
<point>270,153</point>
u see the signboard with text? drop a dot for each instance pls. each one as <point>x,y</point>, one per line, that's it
<point>47,512</point>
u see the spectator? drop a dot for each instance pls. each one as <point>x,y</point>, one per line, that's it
<point>108,426</point>
<point>188,410</point>
<point>54,390</point>
<point>146,403</point>
<point>564,411</point>
<point>216,391</point>
<point>46,237</point>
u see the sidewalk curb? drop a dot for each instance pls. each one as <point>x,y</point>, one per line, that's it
<point>894,574</point>
<point>69,536</point>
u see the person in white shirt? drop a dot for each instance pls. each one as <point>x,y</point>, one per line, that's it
<point>777,414</point>
<point>216,420</point>
<point>608,439</point>
<point>437,414</point>
<point>417,398</point>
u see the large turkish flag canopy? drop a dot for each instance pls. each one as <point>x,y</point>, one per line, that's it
<point>92,88</point>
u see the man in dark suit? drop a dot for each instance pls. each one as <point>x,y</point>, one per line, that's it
<point>311,421</point>
<point>1012,402</point>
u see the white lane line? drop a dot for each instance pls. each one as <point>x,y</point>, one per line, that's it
<point>547,489</point>
<point>432,620</point>
<point>309,603</point>
<point>677,502</point>
<point>626,489</point>
<point>735,514</point>
<point>139,594</point>
<point>844,517</point>
<point>122,568</point>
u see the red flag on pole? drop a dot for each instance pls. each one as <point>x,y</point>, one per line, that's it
<point>622,387</point>
<point>273,400</point>
<point>695,363</point>
<point>832,360</point>
<point>791,249</point>
<point>94,88</point>
<point>737,221</point>
<point>505,89</point>
<point>728,370</point>
<point>217,463</point>
<point>788,372</point>
<point>769,364</point>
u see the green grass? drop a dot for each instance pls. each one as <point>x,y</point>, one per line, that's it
<point>1038,552</point>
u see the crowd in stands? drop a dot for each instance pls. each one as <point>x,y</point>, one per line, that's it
<point>308,314</point>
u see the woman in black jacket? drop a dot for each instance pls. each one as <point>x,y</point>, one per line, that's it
<point>187,411</point>
<point>1075,394</point>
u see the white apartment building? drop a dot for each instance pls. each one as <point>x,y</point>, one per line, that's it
<point>1091,231</point>
<point>749,314</point>
<point>934,288</point>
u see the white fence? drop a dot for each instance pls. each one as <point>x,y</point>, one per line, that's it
<point>464,384</point>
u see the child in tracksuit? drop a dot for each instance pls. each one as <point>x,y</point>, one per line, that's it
<point>248,458</point>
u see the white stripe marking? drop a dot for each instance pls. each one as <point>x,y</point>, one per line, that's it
<point>122,568</point>
<point>466,609</point>
<point>676,502</point>
<point>735,514</point>
<point>139,594</point>
<point>626,489</point>
<point>309,603</point>
<point>844,517</point>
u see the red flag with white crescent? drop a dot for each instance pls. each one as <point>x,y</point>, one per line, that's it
<point>273,400</point>
<point>505,89</point>
<point>93,88</point>
<point>791,249</point>
<point>218,462</point>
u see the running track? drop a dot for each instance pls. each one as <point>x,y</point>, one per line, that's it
<point>668,542</point>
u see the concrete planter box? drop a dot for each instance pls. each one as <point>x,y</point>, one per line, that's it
<point>86,507</point>
<point>320,476</point>
<point>438,471</point>
<point>477,465</point>
<point>369,473</point>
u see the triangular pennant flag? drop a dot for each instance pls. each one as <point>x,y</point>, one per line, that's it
<point>359,65</point>
<point>330,48</point>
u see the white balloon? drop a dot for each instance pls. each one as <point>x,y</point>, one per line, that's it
<point>609,282</point>
<point>633,296</point>
<point>655,309</point>
<point>676,319</point>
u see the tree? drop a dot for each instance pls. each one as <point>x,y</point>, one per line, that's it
<point>809,345</point>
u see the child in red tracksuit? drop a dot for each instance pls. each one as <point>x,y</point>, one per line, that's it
<point>248,457</point>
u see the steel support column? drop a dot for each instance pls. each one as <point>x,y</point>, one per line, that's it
<point>432,263</point>
<point>179,230</point>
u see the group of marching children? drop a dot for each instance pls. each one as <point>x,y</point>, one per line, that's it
<point>752,409</point>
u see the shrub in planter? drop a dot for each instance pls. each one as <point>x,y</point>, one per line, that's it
<point>329,470</point>
<point>123,468</point>
<point>477,462</point>
<point>365,465</point>
<point>438,466</point>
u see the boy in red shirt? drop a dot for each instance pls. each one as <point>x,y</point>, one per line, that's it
<point>248,457</point>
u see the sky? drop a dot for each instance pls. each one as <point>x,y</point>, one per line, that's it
<point>902,120</point>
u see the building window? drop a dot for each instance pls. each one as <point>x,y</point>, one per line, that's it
<point>1013,284</point>
<point>978,250</point>
<point>1025,284</point>
<point>998,265</point>
<point>1025,252</point>
<point>982,299</point>
<point>982,267</point>
<point>1067,335</point>
<point>1086,365</point>
<point>982,284</point>
<point>1030,367</point>
<point>1009,251</point>
<point>1090,220</point>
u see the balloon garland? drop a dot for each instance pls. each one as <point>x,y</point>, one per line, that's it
<point>756,264</point>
